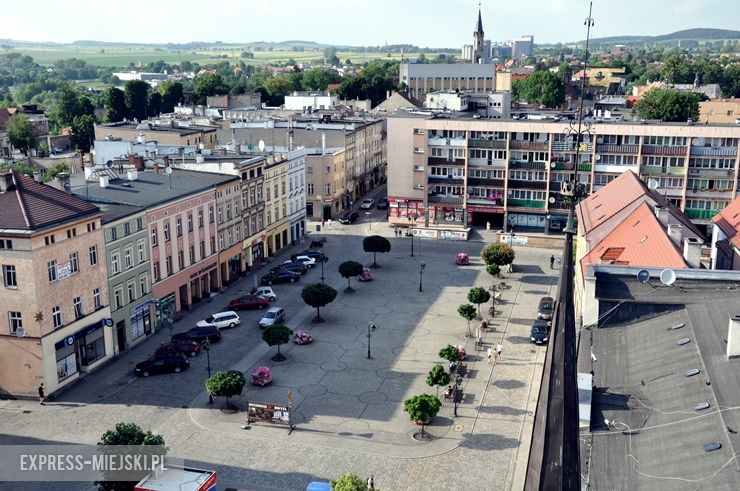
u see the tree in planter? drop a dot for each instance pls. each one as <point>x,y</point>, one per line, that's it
<point>467,312</point>
<point>438,377</point>
<point>478,295</point>
<point>498,254</point>
<point>348,269</point>
<point>449,352</point>
<point>349,482</point>
<point>318,295</point>
<point>375,244</point>
<point>128,434</point>
<point>494,270</point>
<point>226,383</point>
<point>276,335</point>
<point>422,409</point>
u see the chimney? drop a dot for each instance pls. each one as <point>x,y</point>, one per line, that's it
<point>38,176</point>
<point>6,182</point>
<point>733,336</point>
<point>674,233</point>
<point>137,161</point>
<point>104,181</point>
<point>662,214</point>
<point>132,175</point>
<point>63,179</point>
<point>323,143</point>
<point>692,251</point>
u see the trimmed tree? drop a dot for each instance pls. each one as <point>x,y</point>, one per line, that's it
<point>422,409</point>
<point>348,269</point>
<point>376,244</point>
<point>478,295</point>
<point>318,295</point>
<point>467,312</point>
<point>498,254</point>
<point>129,434</point>
<point>494,270</point>
<point>438,377</point>
<point>276,335</point>
<point>226,383</point>
<point>449,352</point>
<point>349,482</point>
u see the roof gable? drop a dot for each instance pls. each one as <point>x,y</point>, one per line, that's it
<point>728,220</point>
<point>608,201</point>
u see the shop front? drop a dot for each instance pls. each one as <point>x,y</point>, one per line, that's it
<point>406,213</point>
<point>254,249</point>
<point>527,221</point>
<point>190,285</point>
<point>486,216</point>
<point>141,321</point>
<point>230,261</point>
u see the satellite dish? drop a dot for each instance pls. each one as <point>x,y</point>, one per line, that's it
<point>67,186</point>
<point>551,200</point>
<point>261,145</point>
<point>20,332</point>
<point>668,277</point>
<point>552,165</point>
<point>698,142</point>
<point>598,157</point>
<point>109,164</point>
<point>168,170</point>
<point>653,184</point>
<point>643,276</point>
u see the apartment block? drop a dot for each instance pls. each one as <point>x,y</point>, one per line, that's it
<point>456,169</point>
<point>421,78</point>
<point>54,301</point>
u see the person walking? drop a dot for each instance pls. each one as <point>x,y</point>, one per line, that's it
<point>499,350</point>
<point>488,226</point>
<point>41,393</point>
<point>371,482</point>
<point>489,352</point>
<point>329,222</point>
<point>552,261</point>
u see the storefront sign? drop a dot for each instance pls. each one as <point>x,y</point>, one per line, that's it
<point>516,240</point>
<point>486,209</point>
<point>452,235</point>
<point>429,234</point>
<point>278,414</point>
<point>144,305</point>
<point>203,270</point>
<point>69,340</point>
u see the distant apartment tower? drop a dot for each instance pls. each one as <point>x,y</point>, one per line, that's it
<point>522,48</point>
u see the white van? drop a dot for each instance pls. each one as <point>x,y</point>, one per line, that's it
<point>274,315</point>
<point>220,320</point>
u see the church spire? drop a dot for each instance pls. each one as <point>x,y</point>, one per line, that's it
<point>479,28</point>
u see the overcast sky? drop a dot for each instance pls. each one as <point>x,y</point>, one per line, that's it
<point>426,23</point>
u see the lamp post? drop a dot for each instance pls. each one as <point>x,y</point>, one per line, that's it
<point>207,349</point>
<point>421,273</point>
<point>412,219</point>
<point>323,260</point>
<point>370,328</point>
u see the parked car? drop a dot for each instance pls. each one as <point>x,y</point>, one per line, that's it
<point>162,364</point>
<point>296,267</point>
<point>275,315</point>
<point>539,333</point>
<point>318,256</point>
<point>199,334</point>
<point>367,204</point>
<point>382,204</point>
<point>220,320</point>
<point>308,261</point>
<point>265,291</point>
<point>545,308</point>
<point>249,302</point>
<point>183,347</point>
<point>281,277</point>
<point>349,217</point>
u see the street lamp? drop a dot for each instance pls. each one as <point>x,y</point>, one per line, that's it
<point>370,328</point>
<point>323,260</point>
<point>369,216</point>
<point>421,273</point>
<point>207,349</point>
<point>457,393</point>
<point>412,219</point>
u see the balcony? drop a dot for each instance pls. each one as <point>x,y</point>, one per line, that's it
<point>608,148</point>
<point>439,141</point>
<point>450,181</point>
<point>651,170</point>
<point>525,203</point>
<point>447,199</point>
<point>696,214</point>
<point>561,146</point>
<point>516,184</point>
<point>584,167</point>
<point>702,172</point>
<point>499,144</point>
<point>445,161</point>
<point>485,181</point>
<point>563,166</point>
<point>662,150</point>
<point>677,171</point>
<point>527,145</point>
<point>560,205</point>
<point>523,164</point>
<point>714,151</point>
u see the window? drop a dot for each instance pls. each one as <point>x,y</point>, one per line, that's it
<point>140,223</point>
<point>267,193</point>
<point>140,251</point>
<point>51,266</point>
<point>78,307</point>
<point>168,265</point>
<point>96,298</point>
<point>327,188</point>
<point>166,232</point>
<point>118,296</point>
<point>93,255</point>
<point>269,217</point>
<point>190,222</point>
<point>115,265</point>
<point>74,264</point>
<point>113,233</point>
<point>56,317</point>
<point>200,218</point>
<point>191,253</point>
<point>310,188</point>
<point>127,229</point>
<point>49,239</point>
<point>309,170</point>
<point>238,233</point>
<point>14,321</point>
<point>202,249</point>
<point>9,277</point>
<point>220,215</point>
<point>210,214</point>
<point>154,236</point>
<point>131,290</point>
<point>72,232</point>
<point>178,227</point>
<point>128,257</point>
<point>213,244</point>
<point>6,244</point>
<point>180,260</point>
<point>143,284</point>
<point>228,212</point>
<point>156,271</point>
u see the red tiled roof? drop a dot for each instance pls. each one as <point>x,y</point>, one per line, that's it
<point>608,201</point>
<point>728,220</point>
<point>639,240</point>
<point>30,205</point>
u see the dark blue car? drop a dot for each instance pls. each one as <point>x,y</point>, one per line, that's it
<point>539,333</point>
<point>281,277</point>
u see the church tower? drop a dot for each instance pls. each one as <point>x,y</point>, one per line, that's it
<point>478,43</point>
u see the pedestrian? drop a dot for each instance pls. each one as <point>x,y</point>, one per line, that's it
<point>370,482</point>
<point>499,349</point>
<point>322,223</point>
<point>488,226</point>
<point>41,393</point>
<point>552,261</point>
<point>329,222</point>
<point>489,352</point>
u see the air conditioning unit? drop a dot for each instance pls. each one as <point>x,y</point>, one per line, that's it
<point>418,186</point>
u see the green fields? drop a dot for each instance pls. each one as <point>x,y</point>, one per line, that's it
<point>122,56</point>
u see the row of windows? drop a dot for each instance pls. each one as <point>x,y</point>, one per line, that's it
<point>130,289</point>
<point>482,153</point>
<point>618,160</point>
<point>113,233</point>
<point>659,161</point>
<point>169,266</point>
<point>15,319</point>
<point>700,204</point>
<point>57,270</point>
<point>128,257</point>
<point>526,194</point>
<point>178,226</point>
<point>71,232</point>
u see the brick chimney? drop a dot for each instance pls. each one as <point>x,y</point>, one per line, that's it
<point>692,251</point>
<point>6,182</point>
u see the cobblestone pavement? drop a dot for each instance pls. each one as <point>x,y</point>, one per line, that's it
<point>348,408</point>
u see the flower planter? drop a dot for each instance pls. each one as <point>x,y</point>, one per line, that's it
<point>302,337</point>
<point>261,376</point>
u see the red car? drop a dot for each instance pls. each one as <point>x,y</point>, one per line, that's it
<point>249,302</point>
